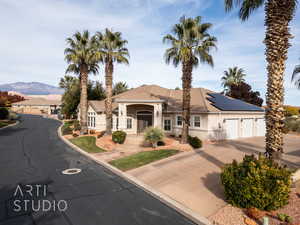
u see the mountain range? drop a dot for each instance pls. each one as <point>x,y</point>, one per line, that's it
<point>31,88</point>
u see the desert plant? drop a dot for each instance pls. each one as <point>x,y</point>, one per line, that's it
<point>153,135</point>
<point>101,134</point>
<point>256,182</point>
<point>3,113</point>
<point>195,142</point>
<point>119,136</point>
<point>13,116</point>
<point>284,218</point>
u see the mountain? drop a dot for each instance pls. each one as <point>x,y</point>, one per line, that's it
<point>31,88</point>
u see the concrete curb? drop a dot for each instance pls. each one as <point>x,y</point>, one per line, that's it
<point>10,125</point>
<point>196,218</point>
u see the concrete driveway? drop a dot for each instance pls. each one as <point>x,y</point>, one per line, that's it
<point>192,178</point>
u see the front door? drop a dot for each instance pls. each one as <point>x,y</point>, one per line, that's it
<point>144,120</point>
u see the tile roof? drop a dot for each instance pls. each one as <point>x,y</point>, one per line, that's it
<point>172,98</point>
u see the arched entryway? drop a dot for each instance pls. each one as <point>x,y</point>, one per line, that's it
<point>144,120</point>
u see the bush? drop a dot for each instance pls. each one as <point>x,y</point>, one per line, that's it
<point>119,136</point>
<point>195,142</point>
<point>153,135</point>
<point>65,130</point>
<point>77,125</point>
<point>256,183</point>
<point>291,111</point>
<point>101,134</point>
<point>3,113</point>
<point>161,143</point>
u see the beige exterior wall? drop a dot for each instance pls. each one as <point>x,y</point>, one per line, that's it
<point>212,125</point>
<point>217,126</point>
<point>31,109</point>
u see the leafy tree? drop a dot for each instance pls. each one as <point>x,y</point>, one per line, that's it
<point>190,44</point>
<point>82,57</point>
<point>278,15</point>
<point>97,91</point>
<point>111,47</point>
<point>120,87</point>
<point>243,91</point>
<point>233,76</point>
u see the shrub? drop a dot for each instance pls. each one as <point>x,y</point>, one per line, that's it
<point>153,135</point>
<point>101,134</point>
<point>256,183</point>
<point>75,135</point>
<point>77,125</point>
<point>65,130</point>
<point>195,142</point>
<point>3,113</point>
<point>119,137</point>
<point>291,111</point>
<point>92,131</point>
<point>284,218</point>
<point>161,143</point>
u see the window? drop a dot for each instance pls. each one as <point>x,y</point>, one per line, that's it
<point>167,125</point>
<point>179,121</point>
<point>91,119</point>
<point>129,123</point>
<point>197,122</point>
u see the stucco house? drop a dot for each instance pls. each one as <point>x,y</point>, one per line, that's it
<point>213,116</point>
<point>37,106</point>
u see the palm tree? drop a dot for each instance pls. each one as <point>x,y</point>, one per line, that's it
<point>278,15</point>
<point>112,48</point>
<point>233,76</point>
<point>190,44</point>
<point>295,76</point>
<point>120,87</point>
<point>82,57</point>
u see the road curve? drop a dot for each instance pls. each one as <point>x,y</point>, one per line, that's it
<point>32,155</point>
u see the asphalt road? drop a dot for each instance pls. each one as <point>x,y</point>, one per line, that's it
<point>32,158</point>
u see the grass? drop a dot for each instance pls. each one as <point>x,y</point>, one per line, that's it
<point>5,123</point>
<point>141,159</point>
<point>87,143</point>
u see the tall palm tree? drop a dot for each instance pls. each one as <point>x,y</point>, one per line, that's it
<point>233,76</point>
<point>278,15</point>
<point>112,48</point>
<point>295,76</point>
<point>120,87</point>
<point>190,44</point>
<point>82,57</point>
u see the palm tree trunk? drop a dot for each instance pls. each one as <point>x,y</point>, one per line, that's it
<point>108,102</point>
<point>83,100</point>
<point>186,99</point>
<point>278,15</point>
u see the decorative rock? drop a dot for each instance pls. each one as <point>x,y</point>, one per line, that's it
<point>249,221</point>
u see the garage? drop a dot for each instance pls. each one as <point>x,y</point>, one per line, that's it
<point>247,127</point>
<point>231,128</point>
<point>260,127</point>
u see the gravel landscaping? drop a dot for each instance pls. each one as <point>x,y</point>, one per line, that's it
<point>230,215</point>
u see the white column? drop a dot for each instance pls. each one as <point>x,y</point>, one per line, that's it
<point>122,116</point>
<point>157,115</point>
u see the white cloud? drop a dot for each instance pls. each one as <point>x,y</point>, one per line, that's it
<point>34,32</point>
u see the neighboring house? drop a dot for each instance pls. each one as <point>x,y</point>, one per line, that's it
<point>37,106</point>
<point>213,116</point>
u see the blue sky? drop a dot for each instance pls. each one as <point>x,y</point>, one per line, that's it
<point>33,34</point>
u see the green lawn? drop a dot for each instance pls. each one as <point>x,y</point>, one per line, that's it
<point>87,143</point>
<point>141,159</point>
<point>5,123</point>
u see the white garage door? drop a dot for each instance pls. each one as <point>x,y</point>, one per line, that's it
<point>232,128</point>
<point>260,127</point>
<point>247,127</point>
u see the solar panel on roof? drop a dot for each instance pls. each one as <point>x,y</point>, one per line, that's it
<point>225,103</point>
